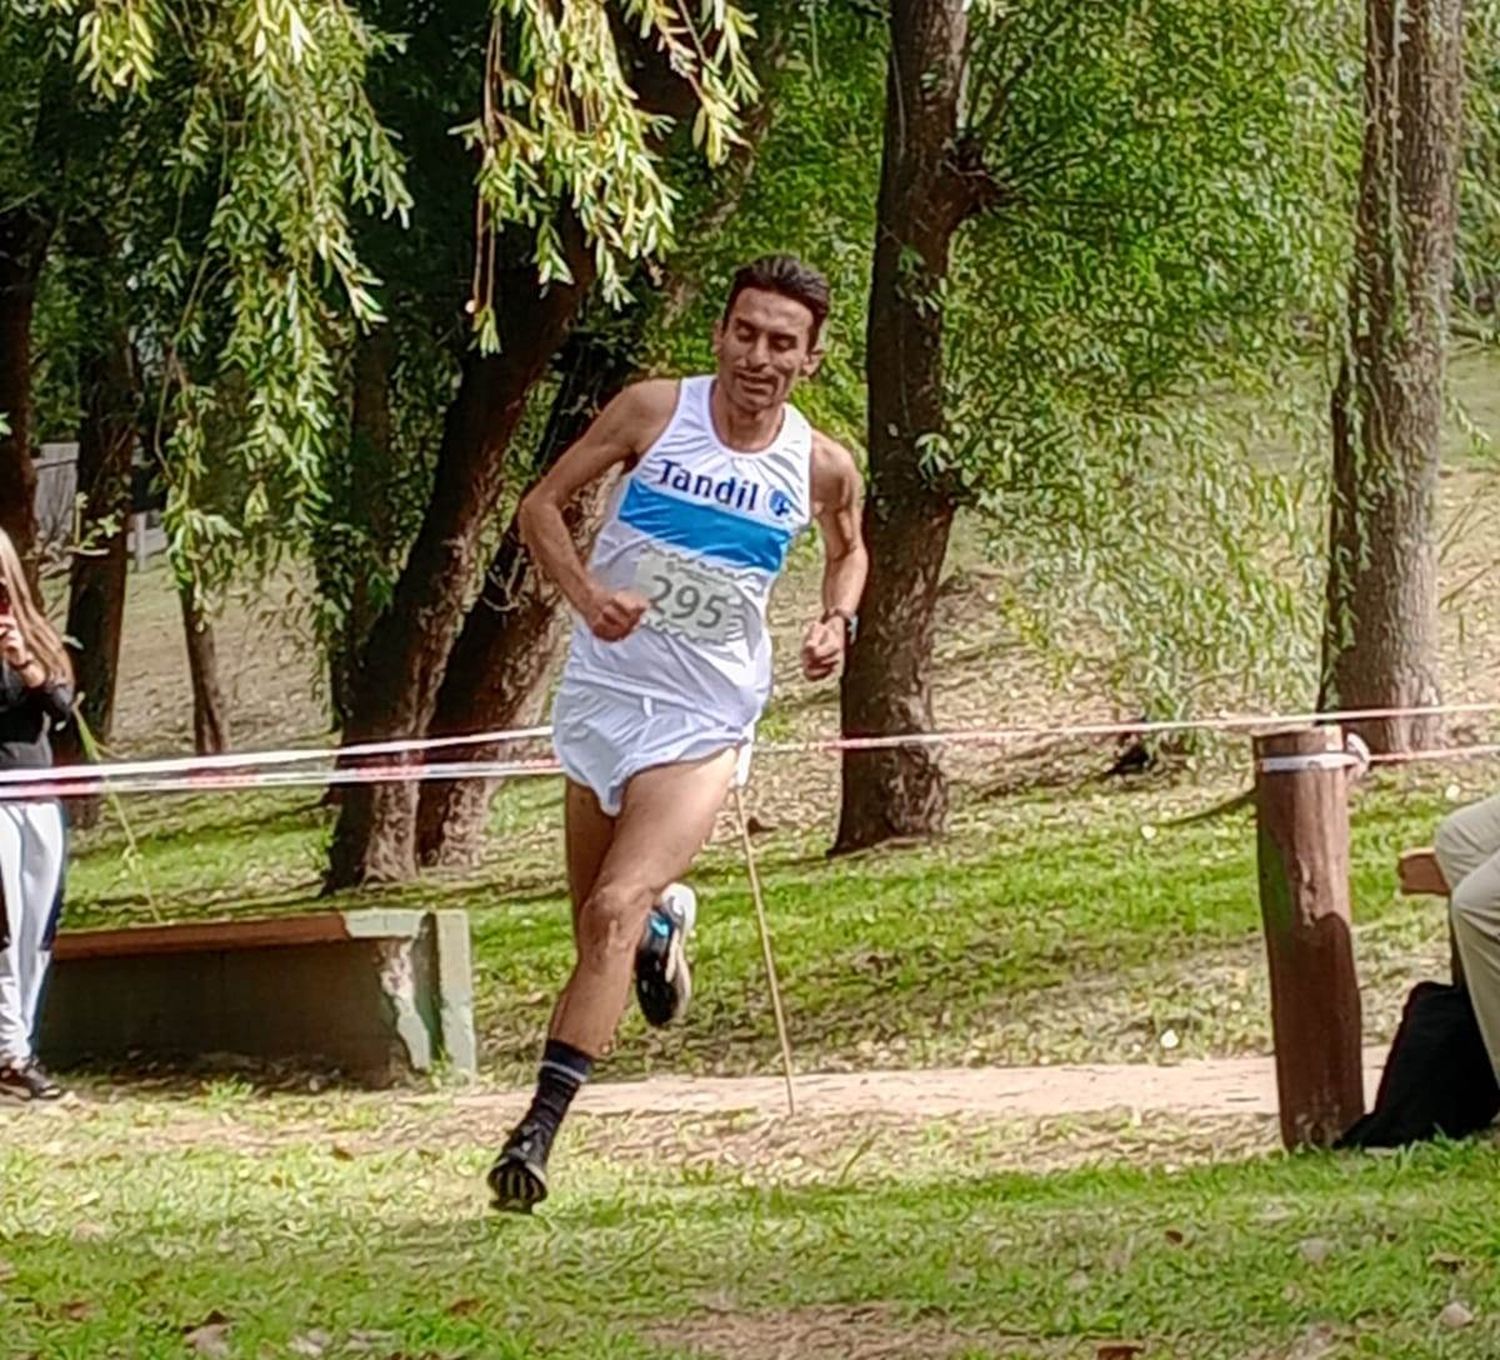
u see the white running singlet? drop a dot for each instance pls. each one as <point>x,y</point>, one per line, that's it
<point>703,532</point>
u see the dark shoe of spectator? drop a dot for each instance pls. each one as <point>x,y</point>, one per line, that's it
<point>28,1081</point>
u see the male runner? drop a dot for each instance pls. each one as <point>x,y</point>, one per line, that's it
<point>670,663</point>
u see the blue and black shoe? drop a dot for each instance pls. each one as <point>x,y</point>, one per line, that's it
<point>518,1180</point>
<point>663,981</point>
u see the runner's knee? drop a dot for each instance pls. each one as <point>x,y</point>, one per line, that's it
<point>612,918</point>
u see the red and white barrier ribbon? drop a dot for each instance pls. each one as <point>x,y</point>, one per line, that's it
<point>246,760</point>
<point>401,760</point>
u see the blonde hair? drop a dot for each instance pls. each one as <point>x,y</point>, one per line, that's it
<point>41,637</point>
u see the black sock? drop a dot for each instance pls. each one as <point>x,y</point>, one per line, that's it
<point>563,1070</point>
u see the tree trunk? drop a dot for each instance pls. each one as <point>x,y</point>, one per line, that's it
<point>405,658</point>
<point>97,578</point>
<point>23,245</point>
<point>407,652</point>
<point>1380,643</point>
<point>210,714</point>
<point>369,455</point>
<point>887,688</point>
<point>497,678</point>
<point>25,234</point>
<point>498,674</point>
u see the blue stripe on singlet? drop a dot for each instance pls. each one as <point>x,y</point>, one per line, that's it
<point>705,529</point>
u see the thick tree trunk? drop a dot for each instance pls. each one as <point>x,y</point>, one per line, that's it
<point>500,667</point>
<point>498,674</point>
<point>97,578</point>
<point>370,459</point>
<point>887,688</point>
<point>497,678</point>
<point>25,234</point>
<point>210,714</point>
<point>405,659</point>
<point>23,244</point>
<point>1380,645</point>
<point>407,652</point>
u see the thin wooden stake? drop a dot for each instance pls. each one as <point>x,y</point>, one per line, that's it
<point>765,942</point>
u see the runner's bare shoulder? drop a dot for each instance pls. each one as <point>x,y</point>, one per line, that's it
<point>835,473</point>
<point>644,410</point>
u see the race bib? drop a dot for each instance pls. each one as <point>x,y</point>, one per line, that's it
<point>690,600</point>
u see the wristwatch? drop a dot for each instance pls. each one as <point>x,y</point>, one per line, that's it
<point>851,622</point>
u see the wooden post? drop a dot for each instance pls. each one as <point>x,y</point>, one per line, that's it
<point>1302,816</point>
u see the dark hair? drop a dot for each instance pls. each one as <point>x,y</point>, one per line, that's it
<point>787,275</point>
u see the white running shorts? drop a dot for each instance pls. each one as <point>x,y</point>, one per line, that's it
<point>604,738</point>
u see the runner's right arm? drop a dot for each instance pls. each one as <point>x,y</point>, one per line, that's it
<point>622,432</point>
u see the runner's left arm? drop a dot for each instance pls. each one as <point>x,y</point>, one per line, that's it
<point>836,489</point>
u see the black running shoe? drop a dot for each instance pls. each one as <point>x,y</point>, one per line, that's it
<point>663,981</point>
<point>518,1180</point>
<point>28,1081</point>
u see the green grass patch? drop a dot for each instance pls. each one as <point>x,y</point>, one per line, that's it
<point>1082,927</point>
<point>127,1237</point>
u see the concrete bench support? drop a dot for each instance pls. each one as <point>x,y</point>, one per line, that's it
<point>378,994</point>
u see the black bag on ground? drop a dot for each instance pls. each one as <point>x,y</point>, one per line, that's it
<point>1437,1080</point>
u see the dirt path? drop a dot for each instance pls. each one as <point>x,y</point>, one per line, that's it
<point>1025,1119</point>
<point>1226,1086</point>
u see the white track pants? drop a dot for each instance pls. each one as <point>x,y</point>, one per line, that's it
<point>32,850</point>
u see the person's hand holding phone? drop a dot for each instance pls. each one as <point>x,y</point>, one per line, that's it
<point>12,645</point>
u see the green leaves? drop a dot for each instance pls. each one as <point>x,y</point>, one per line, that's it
<point>117,42</point>
<point>1175,189</point>
<point>1476,291</point>
<point>563,129</point>
<point>806,184</point>
<point>250,276</point>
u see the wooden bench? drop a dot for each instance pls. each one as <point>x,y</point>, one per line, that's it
<point>1421,875</point>
<point>376,994</point>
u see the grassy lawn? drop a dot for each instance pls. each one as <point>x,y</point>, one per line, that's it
<point>231,1225</point>
<point>1064,918</point>
<point>1080,927</point>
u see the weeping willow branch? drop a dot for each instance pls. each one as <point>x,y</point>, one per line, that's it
<point>562,129</point>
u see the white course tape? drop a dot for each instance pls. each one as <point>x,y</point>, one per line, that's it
<point>257,769</point>
<point>246,760</point>
<point>1313,760</point>
<point>218,781</point>
<point>1355,756</point>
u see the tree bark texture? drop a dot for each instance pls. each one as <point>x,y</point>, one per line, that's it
<point>210,713</point>
<point>23,245</point>
<point>98,572</point>
<point>370,448</point>
<point>887,688</point>
<point>498,674</point>
<point>407,651</point>
<point>1380,645</point>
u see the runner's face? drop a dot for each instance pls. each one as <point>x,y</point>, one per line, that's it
<point>764,346</point>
